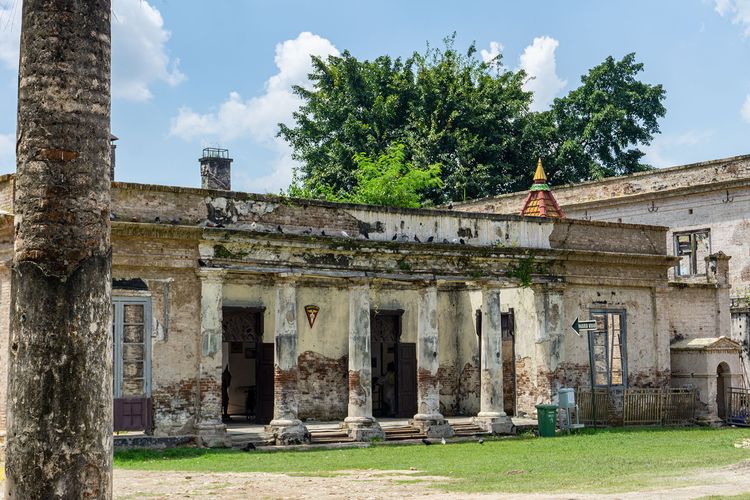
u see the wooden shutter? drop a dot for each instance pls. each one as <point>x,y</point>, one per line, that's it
<point>407,380</point>
<point>265,385</point>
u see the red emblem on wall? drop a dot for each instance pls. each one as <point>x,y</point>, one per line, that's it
<point>312,313</point>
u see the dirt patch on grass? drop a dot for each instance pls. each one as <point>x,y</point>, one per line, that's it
<point>345,484</point>
<point>379,484</point>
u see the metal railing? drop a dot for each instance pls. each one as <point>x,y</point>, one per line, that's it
<point>593,415</point>
<point>667,406</point>
<point>737,406</point>
<point>663,406</point>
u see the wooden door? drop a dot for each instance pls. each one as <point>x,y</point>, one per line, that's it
<point>265,386</point>
<point>407,380</point>
<point>131,329</point>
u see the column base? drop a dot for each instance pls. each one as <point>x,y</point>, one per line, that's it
<point>288,431</point>
<point>212,435</point>
<point>434,425</point>
<point>363,428</point>
<point>494,422</point>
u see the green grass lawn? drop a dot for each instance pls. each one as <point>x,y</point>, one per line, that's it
<point>604,461</point>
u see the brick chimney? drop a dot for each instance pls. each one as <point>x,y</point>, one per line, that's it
<point>112,156</point>
<point>216,169</point>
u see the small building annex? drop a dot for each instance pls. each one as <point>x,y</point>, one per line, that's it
<point>308,310</point>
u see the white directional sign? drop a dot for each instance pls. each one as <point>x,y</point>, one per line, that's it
<point>583,326</point>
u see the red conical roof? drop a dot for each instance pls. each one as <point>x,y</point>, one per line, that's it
<point>540,202</point>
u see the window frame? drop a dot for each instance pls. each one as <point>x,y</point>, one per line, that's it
<point>693,259</point>
<point>118,323</point>
<point>623,346</point>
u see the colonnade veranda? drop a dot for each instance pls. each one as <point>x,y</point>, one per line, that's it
<point>286,426</point>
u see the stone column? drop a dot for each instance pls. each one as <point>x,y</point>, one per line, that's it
<point>360,423</point>
<point>210,429</point>
<point>549,340</point>
<point>660,314</point>
<point>428,417</point>
<point>492,416</point>
<point>717,273</point>
<point>286,427</point>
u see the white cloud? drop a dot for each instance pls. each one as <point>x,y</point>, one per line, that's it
<point>139,52</point>
<point>738,10</point>
<point>668,150</point>
<point>495,49</point>
<point>538,60</point>
<point>10,32</point>
<point>745,111</point>
<point>258,117</point>
<point>7,152</point>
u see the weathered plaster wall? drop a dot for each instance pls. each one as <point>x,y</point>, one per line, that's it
<point>459,352</point>
<point>728,223</point>
<point>174,290</point>
<point>549,357</point>
<point>6,193</point>
<point>272,214</point>
<point>692,312</point>
<point>726,170</point>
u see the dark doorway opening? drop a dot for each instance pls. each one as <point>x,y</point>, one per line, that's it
<point>394,367</point>
<point>508,326</point>
<point>245,375</point>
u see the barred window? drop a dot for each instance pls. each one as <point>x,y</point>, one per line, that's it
<point>692,248</point>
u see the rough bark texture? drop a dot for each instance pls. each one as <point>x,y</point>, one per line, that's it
<point>60,374</point>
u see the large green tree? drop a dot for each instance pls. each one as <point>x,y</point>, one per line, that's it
<point>471,117</point>
<point>446,107</point>
<point>597,129</point>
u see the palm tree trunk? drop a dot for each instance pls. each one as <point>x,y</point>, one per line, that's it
<point>59,436</point>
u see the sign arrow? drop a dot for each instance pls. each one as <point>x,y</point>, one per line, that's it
<point>585,326</point>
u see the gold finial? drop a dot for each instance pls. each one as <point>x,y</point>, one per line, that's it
<point>539,175</point>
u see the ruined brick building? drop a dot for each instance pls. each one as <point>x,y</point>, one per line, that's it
<point>353,313</point>
<point>706,207</point>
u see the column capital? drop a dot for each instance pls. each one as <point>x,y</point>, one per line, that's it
<point>286,278</point>
<point>491,284</point>
<point>359,281</point>
<point>211,274</point>
<point>426,285</point>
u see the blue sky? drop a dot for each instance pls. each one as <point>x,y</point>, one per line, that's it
<point>189,74</point>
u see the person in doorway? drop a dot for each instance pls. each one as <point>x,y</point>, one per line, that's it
<point>389,389</point>
<point>226,381</point>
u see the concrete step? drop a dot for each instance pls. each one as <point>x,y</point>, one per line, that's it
<point>468,430</point>
<point>329,436</point>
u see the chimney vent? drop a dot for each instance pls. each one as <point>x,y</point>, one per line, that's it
<point>216,169</point>
<point>112,156</point>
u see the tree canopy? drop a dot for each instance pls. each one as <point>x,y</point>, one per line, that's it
<point>386,180</point>
<point>470,117</point>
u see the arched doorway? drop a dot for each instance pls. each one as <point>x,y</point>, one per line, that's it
<point>722,381</point>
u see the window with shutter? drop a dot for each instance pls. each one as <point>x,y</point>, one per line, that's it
<point>608,348</point>
<point>131,328</point>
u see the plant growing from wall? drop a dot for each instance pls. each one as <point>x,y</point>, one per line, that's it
<point>524,269</point>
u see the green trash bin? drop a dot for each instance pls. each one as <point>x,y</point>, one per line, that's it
<point>547,419</point>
